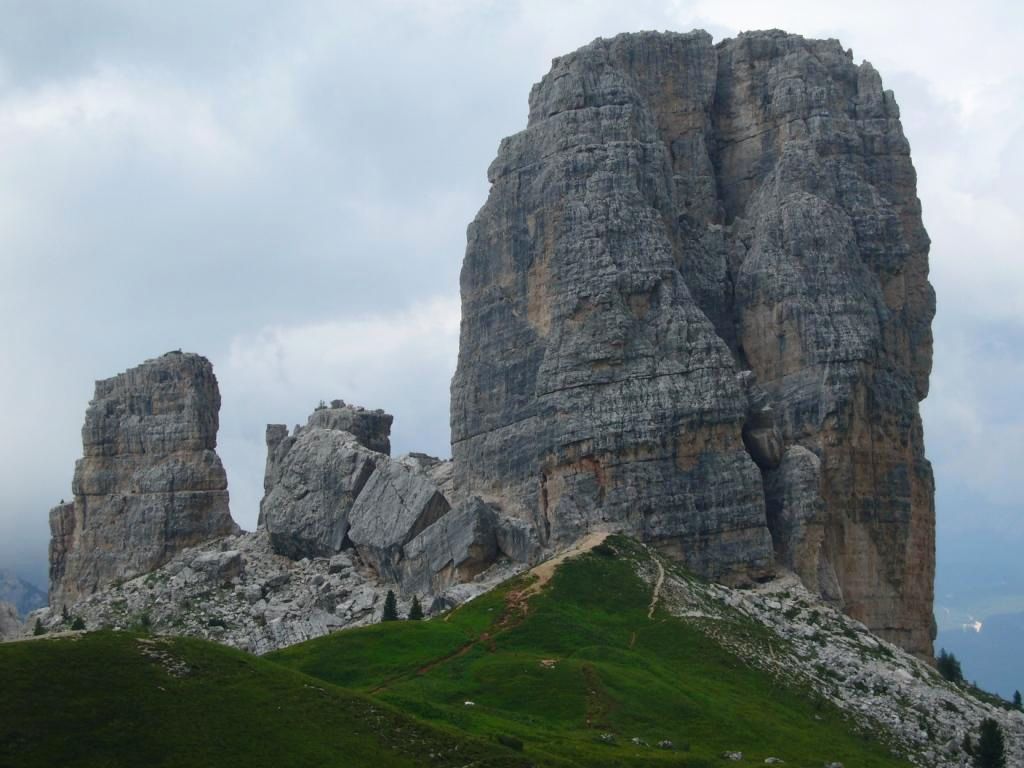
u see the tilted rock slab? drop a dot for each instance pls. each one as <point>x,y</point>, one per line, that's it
<point>312,480</point>
<point>327,486</point>
<point>462,544</point>
<point>150,482</point>
<point>397,503</point>
<point>676,215</point>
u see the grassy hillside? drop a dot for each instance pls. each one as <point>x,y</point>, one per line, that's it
<point>580,660</point>
<point>116,699</point>
<point>567,674</point>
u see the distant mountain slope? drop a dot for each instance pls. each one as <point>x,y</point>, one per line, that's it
<point>119,699</point>
<point>22,595</point>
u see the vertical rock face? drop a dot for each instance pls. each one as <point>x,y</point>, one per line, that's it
<point>150,482</point>
<point>694,260</point>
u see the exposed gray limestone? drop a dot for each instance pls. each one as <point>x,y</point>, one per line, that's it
<point>150,482</point>
<point>371,429</point>
<point>313,479</point>
<point>328,495</point>
<point>679,220</point>
<point>457,547</point>
<point>397,503</point>
<point>518,541</point>
<point>238,591</point>
<point>223,566</point>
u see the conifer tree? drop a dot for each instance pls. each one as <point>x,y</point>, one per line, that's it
<point>415,610</point>
<point>990,752</point>
<point>390,608</point>
<point>949,667</point>
<point>1017,701</point>
<point>38,629</point>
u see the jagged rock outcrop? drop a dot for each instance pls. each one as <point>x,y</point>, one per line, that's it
<point>396,504</point>
<point>796,516</point>
<point>328,491</point>
<point>313,478</point>
<point>10,624</point>
<point>150,482</point>
<point>461,545</point>
<point>314,475</point>
<point>455,548</point>
<point>695,258</point>
<point>371,428</point>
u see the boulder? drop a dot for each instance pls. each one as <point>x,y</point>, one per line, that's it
<point>219,566</point>
<point>313,479</point>
<point>455,548</point>
<point>397,502</point>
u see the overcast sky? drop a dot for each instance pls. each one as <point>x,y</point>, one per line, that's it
<point>285,188</point>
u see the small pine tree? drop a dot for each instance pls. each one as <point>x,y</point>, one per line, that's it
<point>415,610</point>
<point>38,629</point>
<point>65,615</point>
<point>390,608</point>
<point>967,745</point>
<point>1017,700</point>
<point>949,667</point>
<point>78,623</point>
<point>990,751</point>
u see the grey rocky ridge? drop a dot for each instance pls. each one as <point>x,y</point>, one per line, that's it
<point>696,308</point>
<point>149,483</point>
<point>148,539</point>
<point>331,486</point>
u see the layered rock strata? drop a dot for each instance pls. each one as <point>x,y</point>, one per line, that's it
<point>695,259</point>
<point>149,483</point>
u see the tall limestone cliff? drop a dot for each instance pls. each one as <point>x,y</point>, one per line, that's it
<point>149,483</point>
<point>696,308</point>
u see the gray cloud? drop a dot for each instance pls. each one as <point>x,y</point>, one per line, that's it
<point>285,188</point>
